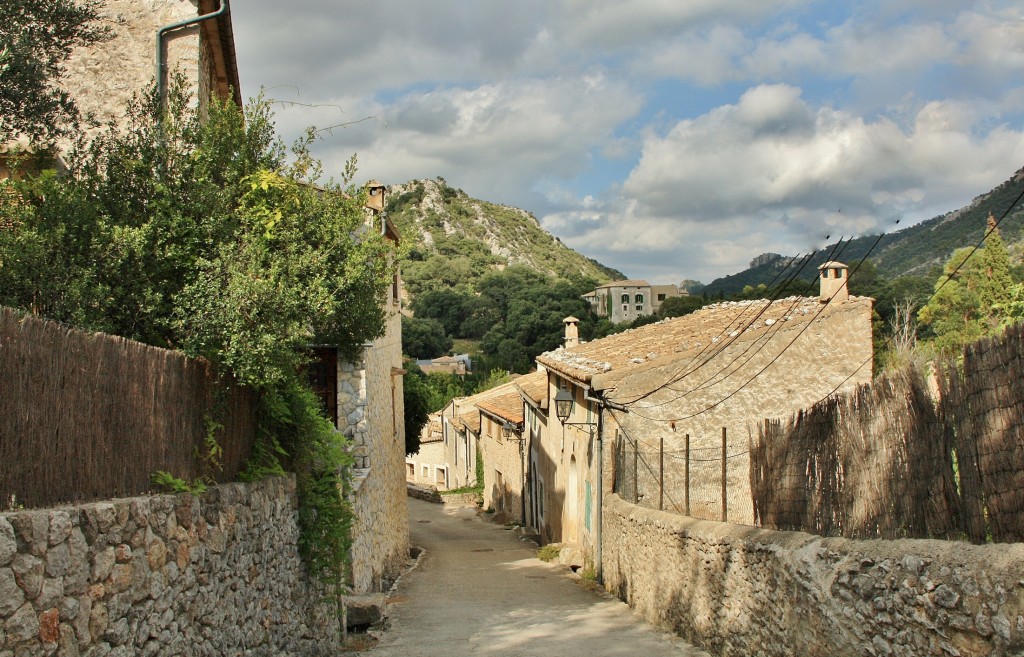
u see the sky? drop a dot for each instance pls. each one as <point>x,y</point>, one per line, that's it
<point>669,139</point>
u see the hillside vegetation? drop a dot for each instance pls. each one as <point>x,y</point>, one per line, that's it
<point>918,250</point>
<point>453,240</point>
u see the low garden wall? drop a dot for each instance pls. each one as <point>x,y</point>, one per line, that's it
<point>737,590</point>
<point>163,575</point>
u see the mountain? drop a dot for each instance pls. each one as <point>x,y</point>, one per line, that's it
<point>915,250</point>
<point>452,239</point>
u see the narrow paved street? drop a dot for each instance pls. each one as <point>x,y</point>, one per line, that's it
<point>479,590</point>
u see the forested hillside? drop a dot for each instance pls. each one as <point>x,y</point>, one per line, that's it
<point>454,240</point>
<point>916,250</point>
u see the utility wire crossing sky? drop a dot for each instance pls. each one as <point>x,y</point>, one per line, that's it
<point>669,139</point>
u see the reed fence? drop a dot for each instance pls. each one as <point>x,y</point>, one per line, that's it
<point>88,416</point>
<point>936,454</point>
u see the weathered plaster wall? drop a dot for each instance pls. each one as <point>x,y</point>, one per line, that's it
<point>162,575</point>
<point>744,591</point>
<point>428,465</point>
<point>371,412</point>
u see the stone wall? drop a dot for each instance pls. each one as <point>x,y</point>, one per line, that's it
<point>740,591</point>
<point>105,76</point>
<point>371,412</point>
<point>162,575</point>
<point>504,456</point>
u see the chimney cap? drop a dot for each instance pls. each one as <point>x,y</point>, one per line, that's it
<point>571,320</point>
<point>832,264</point>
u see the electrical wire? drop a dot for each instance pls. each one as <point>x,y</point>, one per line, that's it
<point>728,327</point>
<point>760,344</point>
<point>938,289</point>
<point>771,362</point>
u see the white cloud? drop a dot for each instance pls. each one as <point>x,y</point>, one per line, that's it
<point>771,173</point>
<point>624,123</point>
<point>492,140</point>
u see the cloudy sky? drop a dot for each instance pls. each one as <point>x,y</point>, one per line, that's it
<point>670,139</point>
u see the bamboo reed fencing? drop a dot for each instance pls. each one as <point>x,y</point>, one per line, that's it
<point>87,416</point>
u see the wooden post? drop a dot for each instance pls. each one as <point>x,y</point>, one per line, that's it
<point>725,502</point>
<point>661,474</point>
<point>687,493</point>
<point>636,470</point>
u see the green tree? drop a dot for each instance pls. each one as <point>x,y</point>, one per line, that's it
<point>209,237</point>
<point>971,297</point>
<point>424,338</point>
<point>682,305</point>
<point>448,306</point>
<point>416,395</point>
<point>36,39</point>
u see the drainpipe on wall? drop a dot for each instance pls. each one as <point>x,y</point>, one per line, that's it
<point>161,60</point>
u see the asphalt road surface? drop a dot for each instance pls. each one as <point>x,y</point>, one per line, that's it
<point>480,590</point>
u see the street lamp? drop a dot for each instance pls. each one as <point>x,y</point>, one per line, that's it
<point>564,403</point>
<point>508,429</point>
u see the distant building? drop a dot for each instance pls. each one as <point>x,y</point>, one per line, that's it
<point>625,301</point>
<point>460,365</point>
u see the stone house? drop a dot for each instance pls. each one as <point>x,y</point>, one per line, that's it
<point>365,400</point>
<point>686,381</point>
<point>422,467</point>
<point>104,77</point>
<point>625,301</point>
<point>502,443</point>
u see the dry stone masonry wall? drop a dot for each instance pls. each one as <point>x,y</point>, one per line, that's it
<point>162,575</point>
<point>745,591</point>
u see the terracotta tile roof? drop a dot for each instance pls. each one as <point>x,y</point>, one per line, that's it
<point>630,283</point>
<point>433,432</point>
<point>470,420</point>
<point>468,416</point>
<point>535,387</point>
<point>507,407</point>
<point>703,332</point>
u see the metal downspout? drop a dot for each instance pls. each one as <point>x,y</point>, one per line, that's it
<point>161,60</point>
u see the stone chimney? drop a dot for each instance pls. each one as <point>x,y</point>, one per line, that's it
<point>834,277</point>
<point>375,196</point>
<point>572,332</point>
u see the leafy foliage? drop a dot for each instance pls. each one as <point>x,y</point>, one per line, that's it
<point>970,298</point>
<point>36,39</point>
<point>424,338</point>
<point>210,237</point>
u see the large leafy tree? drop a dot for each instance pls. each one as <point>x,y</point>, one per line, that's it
<point>971,297</point>
<point>36,39</point>
<point>205,236</point>
<point>210,237</point>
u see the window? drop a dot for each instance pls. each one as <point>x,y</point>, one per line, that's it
<point>425,472</point>
<point>661,297</point>
<point>625,298</point>
<point>440,476</point>
<point>625,308</point>
<point>639,308</point>
<point>639,298</point>
<point>410,470</point>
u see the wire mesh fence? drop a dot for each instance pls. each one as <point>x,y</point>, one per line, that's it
<point>938,455</point>
<point>686,475</point>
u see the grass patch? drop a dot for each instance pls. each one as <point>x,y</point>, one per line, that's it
<point>549,552</point>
